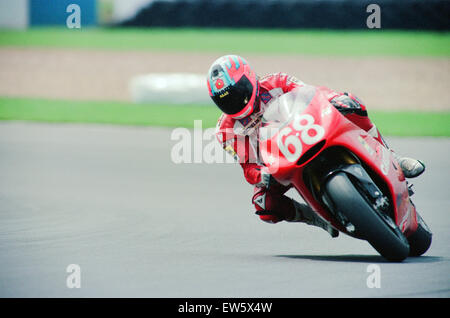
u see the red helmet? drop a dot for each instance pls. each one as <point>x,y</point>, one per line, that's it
<point>233,86</point>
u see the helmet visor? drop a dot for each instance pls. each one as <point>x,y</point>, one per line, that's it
<point>234,98</point>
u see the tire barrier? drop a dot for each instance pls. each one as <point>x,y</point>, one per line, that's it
<point>305,14</point>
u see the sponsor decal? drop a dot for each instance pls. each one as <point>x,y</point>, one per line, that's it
<point>366,145</point>
<point>261,201</point>
<point>385,160</point>
<point>245,121</point>
<point>265,97</point>
<point>219,84</point>
<point>254,122</point>
<point>232,152</point>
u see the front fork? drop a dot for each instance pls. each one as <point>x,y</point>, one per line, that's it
<point>322,169</point>
<point>367,188</point>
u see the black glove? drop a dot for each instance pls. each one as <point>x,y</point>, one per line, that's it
<point>346,105</point>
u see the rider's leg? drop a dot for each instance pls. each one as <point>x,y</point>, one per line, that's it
<point>353,109</point>
<point>273,206</point>
<point>411,167</point>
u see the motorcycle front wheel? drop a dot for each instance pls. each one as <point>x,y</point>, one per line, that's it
<point>420,240</point>
<point>389,242</point>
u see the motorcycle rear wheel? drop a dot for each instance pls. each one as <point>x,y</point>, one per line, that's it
<point>390,243</point>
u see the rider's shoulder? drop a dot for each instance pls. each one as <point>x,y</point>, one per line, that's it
<point>272,79</point>
<point>279,79</point>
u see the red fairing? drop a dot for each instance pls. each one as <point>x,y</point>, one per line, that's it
<point>329,126</point>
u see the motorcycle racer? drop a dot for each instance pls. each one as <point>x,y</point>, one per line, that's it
<point>243,97</point>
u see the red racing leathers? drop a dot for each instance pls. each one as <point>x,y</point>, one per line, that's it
<point>239,138</point>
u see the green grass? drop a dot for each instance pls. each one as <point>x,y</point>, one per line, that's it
<point>412,123</point>
<point>307,42</point>
<point>119,113</point>
<point>60,111</point>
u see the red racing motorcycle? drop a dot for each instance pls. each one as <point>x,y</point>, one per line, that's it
<point>349,178</point>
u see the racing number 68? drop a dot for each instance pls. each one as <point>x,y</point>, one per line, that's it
<point>292,146</point>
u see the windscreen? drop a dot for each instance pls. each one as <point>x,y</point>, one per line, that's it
<point>282,109</point>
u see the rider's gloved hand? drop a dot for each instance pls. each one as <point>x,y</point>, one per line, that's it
<point>346,102</point>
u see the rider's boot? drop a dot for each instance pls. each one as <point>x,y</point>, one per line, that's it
<point>411,167</point>
<point>304,213</point>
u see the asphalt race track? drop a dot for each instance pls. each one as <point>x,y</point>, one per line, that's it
<point>110,200</point>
